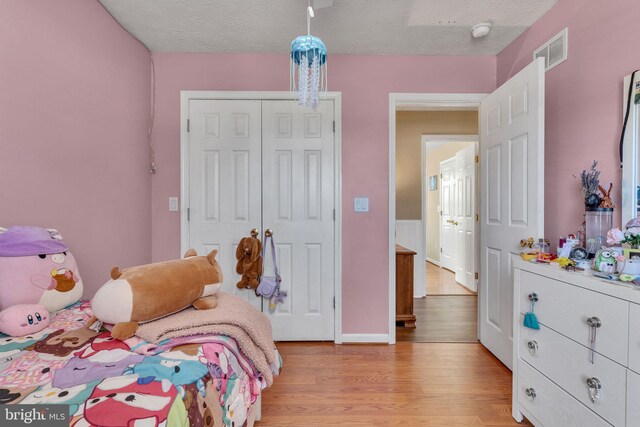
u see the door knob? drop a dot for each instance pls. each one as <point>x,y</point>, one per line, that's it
<point>254,232</point>
<point>268,232</point>
<point>533,347</point>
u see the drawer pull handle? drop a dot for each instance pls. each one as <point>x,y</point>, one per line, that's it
<point>531,393</point>
<point>594,386</point>
<point>533,347</point>
<point>533,297</point>
<point>594,322</point>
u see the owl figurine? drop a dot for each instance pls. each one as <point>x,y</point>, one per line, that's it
<point>605,260</point>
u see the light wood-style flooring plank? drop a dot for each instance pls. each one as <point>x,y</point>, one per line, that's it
<point>441,318</point>
<point>441,281</point>
<point>408,384</point>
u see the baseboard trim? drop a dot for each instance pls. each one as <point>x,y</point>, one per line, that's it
<point>365,338</point>
<point>433,261</point>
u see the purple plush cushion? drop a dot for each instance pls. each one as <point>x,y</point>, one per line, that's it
<point>27,241</point>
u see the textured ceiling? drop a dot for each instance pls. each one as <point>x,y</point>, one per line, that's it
<point>426,27</point>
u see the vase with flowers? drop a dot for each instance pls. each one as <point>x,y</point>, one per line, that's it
<point>589,181</point>
<point>630,240</point>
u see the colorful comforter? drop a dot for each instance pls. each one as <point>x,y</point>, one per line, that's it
<point>204,381</point>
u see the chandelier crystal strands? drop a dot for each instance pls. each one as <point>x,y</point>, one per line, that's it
<point>308,67</point>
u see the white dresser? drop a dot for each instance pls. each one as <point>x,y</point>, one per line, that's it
<point>555,374</point>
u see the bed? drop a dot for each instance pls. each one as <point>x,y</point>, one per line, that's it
<point>197,379</point>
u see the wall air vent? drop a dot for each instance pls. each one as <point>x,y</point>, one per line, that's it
<point>554,51</point>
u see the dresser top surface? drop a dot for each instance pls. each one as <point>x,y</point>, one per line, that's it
<point>404,251</point>
<point>585,280</point>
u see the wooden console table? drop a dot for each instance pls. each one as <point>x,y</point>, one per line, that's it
<point>404,287</point>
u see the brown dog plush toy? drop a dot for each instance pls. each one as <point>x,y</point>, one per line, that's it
<point>148,292</point>
<point>249,256</point>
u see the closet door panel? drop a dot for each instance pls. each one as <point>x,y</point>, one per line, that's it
<point>298,192</point>
<point>225,189</point>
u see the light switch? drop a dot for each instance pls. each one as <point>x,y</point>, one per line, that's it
<point>173,204</point>
<point>361,204</point>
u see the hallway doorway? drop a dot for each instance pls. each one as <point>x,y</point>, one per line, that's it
<point>449,312</point>
<point>444,237</point>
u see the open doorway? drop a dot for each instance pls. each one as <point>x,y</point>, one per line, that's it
<point>436,177</point>
<point>511,196</point>
<point>449,196</point>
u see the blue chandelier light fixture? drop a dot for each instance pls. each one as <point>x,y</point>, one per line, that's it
<point>308,67</point>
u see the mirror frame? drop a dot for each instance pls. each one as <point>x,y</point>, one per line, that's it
<point>630,164</point>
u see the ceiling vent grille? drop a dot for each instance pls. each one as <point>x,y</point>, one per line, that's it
<point>554,51</point>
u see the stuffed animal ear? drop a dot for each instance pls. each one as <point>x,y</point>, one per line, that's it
<point>191,252</point>
<point>115,272</point>
<point>255,249</point>
<point>55,234</point>
<point>240,249</point>
<point>212,256</point>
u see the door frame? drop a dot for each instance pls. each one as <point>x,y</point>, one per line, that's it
<point>425,141</point>
<point>188,95</point>
<point>426,102</point>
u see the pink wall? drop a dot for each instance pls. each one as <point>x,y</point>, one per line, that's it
<point>365,83</point>
<point>73,117</point>
<point>583,97</point>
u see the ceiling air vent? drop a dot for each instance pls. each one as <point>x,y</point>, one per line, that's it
<point>554,51</point>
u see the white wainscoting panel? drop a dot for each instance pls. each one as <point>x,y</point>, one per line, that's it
<point>409,234</point>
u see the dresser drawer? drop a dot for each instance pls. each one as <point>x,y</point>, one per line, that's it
<point>567,363</point>
<point>552,406</point>
<point>565,308</point>
<point>634,337</point>
<point>633,399</point>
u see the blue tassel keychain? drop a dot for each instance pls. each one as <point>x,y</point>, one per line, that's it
<point>530,319</point>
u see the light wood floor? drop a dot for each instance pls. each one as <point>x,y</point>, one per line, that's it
<point>380,385</point>
<point>443,318</point>
<point>441,281</point>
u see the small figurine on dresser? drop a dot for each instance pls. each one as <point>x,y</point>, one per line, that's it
<point>606,260</point>
<point>605,200</point>
<point>536,251</point>
<point>527,252</point>
<point>629,261</point>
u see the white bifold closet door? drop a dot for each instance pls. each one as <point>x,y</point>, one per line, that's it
<point>297,204</point>
<point>269,165</point>
<point>225,193</point>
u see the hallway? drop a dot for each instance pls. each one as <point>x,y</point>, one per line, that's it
<point>441,281</point>
<point>449,312</point>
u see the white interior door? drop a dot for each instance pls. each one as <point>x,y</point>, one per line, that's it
<point>448,214</point>
<point>458,214</point>
<point>225,196</point>
<point>512,196</point>
<point>298,189</point>
<point>465,219</point>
